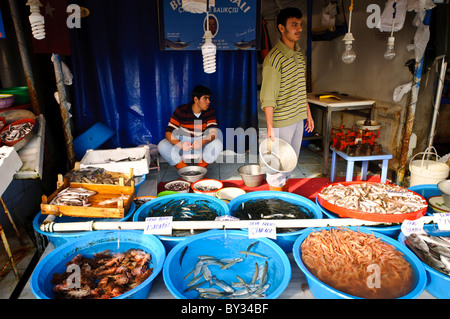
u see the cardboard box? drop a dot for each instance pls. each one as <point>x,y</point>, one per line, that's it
<point>10,163</point>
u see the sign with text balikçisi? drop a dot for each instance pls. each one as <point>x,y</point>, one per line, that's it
<point>2,28</point>
<point>235,24</point>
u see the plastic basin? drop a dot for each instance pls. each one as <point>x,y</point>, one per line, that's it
<point>95,242</point>
<point>170,241</point>
<point>60,238</point>
<point>391,231</point>
<point>438,284</point>
<point>284,240</point>
<point>321,290</point>
<point>426,191</point>
<point>226,244</point>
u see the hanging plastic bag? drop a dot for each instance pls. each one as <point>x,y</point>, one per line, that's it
<point>385,22</point>
<point>401,90</point>
<point>420,5</point>
<point>329,16</point>
<point>420,38</point>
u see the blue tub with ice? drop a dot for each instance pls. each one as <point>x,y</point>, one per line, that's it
<point>90,244</point>
<point>226,245</point>
<point>284,240</point>
<point>169,242</point>
<point>59,238</point>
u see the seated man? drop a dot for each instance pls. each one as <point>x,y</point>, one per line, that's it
<point>192,132</point>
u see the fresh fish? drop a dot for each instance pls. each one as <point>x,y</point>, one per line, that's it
<point>207,273</point>
<point>195,286</point>
<point>443,251</point>
<point>251,254</point>
<point>235,261</point>
<point>195,280</point>
<point>255,274</point>
<point>446,261</point>
<point>252,245</point>
<point>223,285</point>
<point>182,254</point>
<point>434,240</point>
<point>417,242</point>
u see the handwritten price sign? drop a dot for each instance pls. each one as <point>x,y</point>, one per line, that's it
<point>158,225</point>
<point>258,229</point>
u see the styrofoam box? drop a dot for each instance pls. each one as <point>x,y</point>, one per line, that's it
<point>115,160</point>
<point>10,163</point>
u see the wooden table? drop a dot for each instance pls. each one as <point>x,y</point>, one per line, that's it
<point>345,103</point>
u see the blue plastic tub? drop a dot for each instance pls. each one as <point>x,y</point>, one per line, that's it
<point>284,240</point>
<point>95,242</point>
<point>391,231</point>
<point>59,238</point>
<point>226,244</point>
<point>427,191</point>
<point>438,284</point>
<point>138,180</point>
<point>170,241</point>
<point>321,290</point>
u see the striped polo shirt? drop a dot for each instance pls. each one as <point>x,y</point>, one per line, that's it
<point>284,84</point>
<point>184,118</point>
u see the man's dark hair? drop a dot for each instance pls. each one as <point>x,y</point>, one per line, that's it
<point>199,91</point>
<point>287,13</point>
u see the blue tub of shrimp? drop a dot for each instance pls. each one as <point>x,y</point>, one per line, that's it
<point>154,208</point>
<point>93,243</point>
<point>321,290</point>
<point>284,240</point>
<point>223,264</point>
<point>438,283</point>
<point>59,238</point>
<point>388,230</point>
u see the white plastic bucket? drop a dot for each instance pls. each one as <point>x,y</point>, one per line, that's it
<point>426,171</point>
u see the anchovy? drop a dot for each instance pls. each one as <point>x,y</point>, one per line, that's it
<point>237,260</point>
<point>251,253</point>
<point>182,254</point>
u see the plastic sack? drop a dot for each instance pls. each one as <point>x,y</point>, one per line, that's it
<point>385,22</point>
<point>401,90</point>
<point>420,38</point>
<point>420,5</point>
<point>329,15</point>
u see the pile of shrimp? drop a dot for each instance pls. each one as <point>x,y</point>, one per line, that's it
<point>342,259</point>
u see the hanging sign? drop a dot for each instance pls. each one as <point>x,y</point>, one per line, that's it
<point>2,28</point>
<point>235,24</point>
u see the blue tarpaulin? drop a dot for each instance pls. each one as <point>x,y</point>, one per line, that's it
<point>123,79</point>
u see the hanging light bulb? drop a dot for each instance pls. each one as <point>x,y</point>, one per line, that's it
<point>209,53</point>
<point>389,54</point>
<point>349,55</point>
<point>37,20</point>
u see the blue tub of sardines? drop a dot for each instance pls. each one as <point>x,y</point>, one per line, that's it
<point>182,207</point>
<point>226,264</point>
<point>271,205</point>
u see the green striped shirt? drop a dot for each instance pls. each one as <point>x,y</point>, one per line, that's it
<point>284,84</point>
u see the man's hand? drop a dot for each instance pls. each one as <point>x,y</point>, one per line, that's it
<point>186,146</point>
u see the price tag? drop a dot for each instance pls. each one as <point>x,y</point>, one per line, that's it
<point>158,225</point>
<point>412,227</point>
<point>262,228</point>
<point>443,221</point>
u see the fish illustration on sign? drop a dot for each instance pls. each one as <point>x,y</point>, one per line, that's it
<point>176,45</point>
<point>244,45</point>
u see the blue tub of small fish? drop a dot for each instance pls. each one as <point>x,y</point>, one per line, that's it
<point>301,206</point>
<point>436,265</point>
<point>182,206</point>
<point>388,230</point>
<point>124,246</point>
<point>427,191</point>
<point>362,280</point>
<point>226,264</point>
<point>59,238</point>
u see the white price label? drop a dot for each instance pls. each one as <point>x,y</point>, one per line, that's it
<point>158,225</point>
<point>412,227</point>
<point>262,228</point>
<point>443,220</point>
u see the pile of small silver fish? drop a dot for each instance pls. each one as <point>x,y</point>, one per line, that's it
<point>191,173</point>
<point>206,188</point>
<point>181,210</point>
<point>375,198</point>
<point>73,196</point>
<point>178,186</point>
<point>432,250</point>
<point>16,132</point>
<point>92,175</point>
<point>252,288</point>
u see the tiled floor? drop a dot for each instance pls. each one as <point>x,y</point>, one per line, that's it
<point>226,168</point>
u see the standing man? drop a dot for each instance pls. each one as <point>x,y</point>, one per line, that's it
<point>192,132</point>
<point>283,90</point>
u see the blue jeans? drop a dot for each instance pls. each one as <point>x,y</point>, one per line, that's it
<point>174,154</point>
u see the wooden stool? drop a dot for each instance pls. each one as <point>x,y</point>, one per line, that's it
<point>385,157</point>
